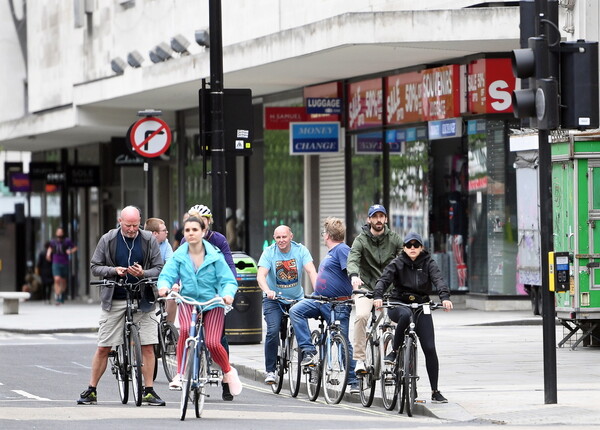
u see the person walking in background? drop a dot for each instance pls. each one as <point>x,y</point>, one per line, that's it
<point>412,274</point>
<point>371,251</point>
<point>230,226</point>
<point>58,253</point>
<point>130,253</point>
<point>332,281</point>
<point>203,274</point>
<point>43,269</point>
<point>280,269</point>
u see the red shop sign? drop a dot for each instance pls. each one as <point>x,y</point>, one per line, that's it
<point>279,118</point>
<point>365,104</point>
<point>441,92</point>
<point>404,94</point>
<point>490,83</point>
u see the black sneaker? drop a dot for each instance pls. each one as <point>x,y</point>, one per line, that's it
<point>227,396</point>
<point>152,399</point>
<point>390,358</point>
<point>88,397</point>
<point>436,397</point>
<point>310,359</point>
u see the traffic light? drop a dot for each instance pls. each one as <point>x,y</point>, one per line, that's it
<point>538,101</point>
<point>579,84</point>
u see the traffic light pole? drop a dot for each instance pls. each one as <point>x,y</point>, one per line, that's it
<point>546,245</point>
<point>217,121</point>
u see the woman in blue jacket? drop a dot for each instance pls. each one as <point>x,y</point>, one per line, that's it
<point>203,274</point>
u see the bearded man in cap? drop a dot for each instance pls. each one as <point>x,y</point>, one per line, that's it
<point>371,252</point>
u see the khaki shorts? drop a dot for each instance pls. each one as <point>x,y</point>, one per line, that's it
<point>110,332</point>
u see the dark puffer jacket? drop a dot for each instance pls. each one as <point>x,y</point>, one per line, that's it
<point>412,280</point>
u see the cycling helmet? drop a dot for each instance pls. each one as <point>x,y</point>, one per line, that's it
<point>201,209</point>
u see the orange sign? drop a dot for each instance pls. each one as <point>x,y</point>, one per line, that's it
<point>404,94</point>
<point>441,92</point>
<point>365,104</point>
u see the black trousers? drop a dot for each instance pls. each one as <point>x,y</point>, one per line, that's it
<point>426,333</point>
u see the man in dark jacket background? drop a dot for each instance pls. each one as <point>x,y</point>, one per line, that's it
<point>371,251</point>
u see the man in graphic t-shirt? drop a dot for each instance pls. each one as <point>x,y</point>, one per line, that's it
<point>280,271</point>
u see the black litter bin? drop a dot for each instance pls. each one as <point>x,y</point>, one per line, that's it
<point>243,323</point>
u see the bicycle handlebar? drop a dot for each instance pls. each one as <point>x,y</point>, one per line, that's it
<point>174,295</point>
<point>432,305</point>
<point>328,299</point>
<point>121,282</point>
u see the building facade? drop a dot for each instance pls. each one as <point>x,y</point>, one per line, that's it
<point>421,95</point>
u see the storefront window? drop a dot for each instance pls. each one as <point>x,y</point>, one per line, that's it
<point>408,209</point>
<point>492,208</point>
<point>284,186</point>
<point>409,206</point>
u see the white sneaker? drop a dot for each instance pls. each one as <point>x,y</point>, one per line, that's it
<point>175,384</point>
<point>360,367</point>
<point>270,379</point>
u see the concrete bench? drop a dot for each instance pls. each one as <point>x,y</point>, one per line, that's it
<point>11,301</point>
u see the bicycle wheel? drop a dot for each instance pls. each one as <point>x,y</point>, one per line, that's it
<point>313,373</point>
<point>168,345</point>
<point>200,391</point>
<point>186,385</point>
<point>279,366</point>
<point>366,381</point>
<point>335,369</point>
<point>119,369</point>
<point>294,358</point>
<point>389,386</point>
<point>410,375</point>
<point>135,357</point>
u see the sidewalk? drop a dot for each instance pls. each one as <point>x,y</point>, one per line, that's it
<point>491,365</point>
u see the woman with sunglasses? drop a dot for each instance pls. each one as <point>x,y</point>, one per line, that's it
<point>412,274</point>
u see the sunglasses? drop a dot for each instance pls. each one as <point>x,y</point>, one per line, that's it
<point>412,245</point>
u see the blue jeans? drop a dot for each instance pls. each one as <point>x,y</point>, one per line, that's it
<point>307,308</point>
<point>273,312</point>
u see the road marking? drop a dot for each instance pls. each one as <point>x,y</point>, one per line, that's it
<point>80,365</point>
<point>30,396</point>
<point>53,370</point>
<point>361,409</point>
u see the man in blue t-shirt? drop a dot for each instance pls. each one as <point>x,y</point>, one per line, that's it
<point>332,281</point>
<point>280,269</point>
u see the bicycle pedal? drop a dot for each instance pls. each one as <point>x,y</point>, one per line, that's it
<point>420,401</point>
<point>334,382</point>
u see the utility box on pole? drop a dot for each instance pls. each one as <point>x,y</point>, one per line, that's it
<point>576,213</point>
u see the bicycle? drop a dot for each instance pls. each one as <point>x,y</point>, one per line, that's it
<point>332,356</point>
<point>379,337</point>
<point>197,374</point>
<point>407,355</point>
<point>126,359</point>
<point>288,355</point>
<point>166,348</point>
